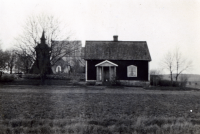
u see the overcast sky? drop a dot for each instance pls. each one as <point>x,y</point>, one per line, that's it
<point>164,24</point>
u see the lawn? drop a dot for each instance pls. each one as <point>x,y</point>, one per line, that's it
<point>61,109</point>
<point>36,82</point>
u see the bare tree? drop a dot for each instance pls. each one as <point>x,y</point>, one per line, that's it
<point>23,62</point>
<point>181,64</point>
<point>3,58</point>
<point>2,62</point>
<point>175,62</point>
<point>8,60</point>
<point>168,63</point>
<point>11,59</point>
<point>55,31</point>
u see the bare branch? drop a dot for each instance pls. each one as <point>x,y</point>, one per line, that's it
<point>33,28</point>
<point>175,62</point>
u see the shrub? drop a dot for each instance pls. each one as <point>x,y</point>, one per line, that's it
<point>18,75</point>
<point>176,84</point>
<point>59,77</point>
<point>82,77</point>
<point>164,83</point>
<point>168,83</point>
<point>91,83</point>
<point>53,76</point>
<point>183,80</point>
<point>7,78</point>
<point>155,79</point>
<point>114,81</point>
<point>75,78</point>
<point>31,76</point>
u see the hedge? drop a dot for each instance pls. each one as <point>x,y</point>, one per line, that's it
<point>7,78</point>
<point>55,76</point>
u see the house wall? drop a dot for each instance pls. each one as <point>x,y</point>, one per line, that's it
<point>121,70</point>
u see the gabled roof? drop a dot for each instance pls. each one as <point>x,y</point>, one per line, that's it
<point>68,43</point>
<point>68,47</point>
<point>117,50</point>
<point>106,63</point>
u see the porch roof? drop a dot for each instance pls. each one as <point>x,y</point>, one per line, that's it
<point>106,63</point>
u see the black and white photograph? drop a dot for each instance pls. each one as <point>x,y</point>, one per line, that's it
<point>99,67</point>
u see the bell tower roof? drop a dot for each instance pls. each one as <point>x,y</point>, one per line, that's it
<point>43,37</point>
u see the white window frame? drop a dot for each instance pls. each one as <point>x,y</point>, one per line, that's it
<point>131,71</point>
<point>58,68</point>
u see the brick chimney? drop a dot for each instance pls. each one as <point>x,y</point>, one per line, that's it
<point>115,38</point>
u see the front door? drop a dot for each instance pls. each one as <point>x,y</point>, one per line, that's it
<point>106,74</point>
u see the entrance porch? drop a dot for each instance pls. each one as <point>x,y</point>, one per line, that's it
<point>106,71</point>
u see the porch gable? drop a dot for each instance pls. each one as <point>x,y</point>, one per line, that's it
<point>106,63</point>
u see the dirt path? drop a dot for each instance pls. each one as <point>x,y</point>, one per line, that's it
<point>91,89</point>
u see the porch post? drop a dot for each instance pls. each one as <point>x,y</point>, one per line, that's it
<point>102,74</point>
<point>97,73</point>
<point>115,72</point>
<point>86,70</point>
<point>109,73</point>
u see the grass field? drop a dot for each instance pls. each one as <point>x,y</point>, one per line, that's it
<point>84,110</point>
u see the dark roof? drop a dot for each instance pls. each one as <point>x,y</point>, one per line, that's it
<point>69,43</point>
<point>68,46</point>
<point>117,50</point>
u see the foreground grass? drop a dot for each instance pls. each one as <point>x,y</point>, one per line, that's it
<point>103,113</point>
<point>140,125</point>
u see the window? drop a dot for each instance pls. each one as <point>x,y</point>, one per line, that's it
<point>131,71</point>
<point>58,69</point>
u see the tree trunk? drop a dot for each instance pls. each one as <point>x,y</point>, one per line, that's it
<point>10,70</point>
<point>176,77</point>
<point>26,69</point>
<point>1,74</point>
<point>171,78</point>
